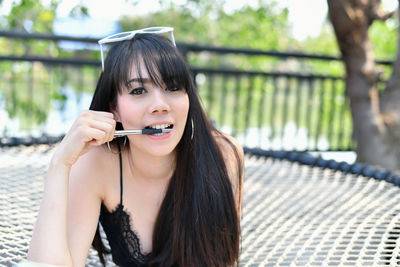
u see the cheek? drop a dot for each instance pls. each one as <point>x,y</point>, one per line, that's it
<point>183,106</point>
<point>127,109</point>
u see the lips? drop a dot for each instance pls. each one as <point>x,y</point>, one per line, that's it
<point>160,125</point>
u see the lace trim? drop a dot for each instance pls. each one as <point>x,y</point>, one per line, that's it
<point>130,236</point>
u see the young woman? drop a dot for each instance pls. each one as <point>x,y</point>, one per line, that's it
<point>165,199</point>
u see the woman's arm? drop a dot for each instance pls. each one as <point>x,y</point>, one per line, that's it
<point>53,241</point>
<point>48,240</point>
<point>86,191</point>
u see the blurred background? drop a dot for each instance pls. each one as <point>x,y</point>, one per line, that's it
<point>269,72</point>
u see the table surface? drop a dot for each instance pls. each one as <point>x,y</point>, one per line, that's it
<point>293,214</point>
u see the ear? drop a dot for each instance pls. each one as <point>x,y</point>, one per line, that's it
<point>114,111</point>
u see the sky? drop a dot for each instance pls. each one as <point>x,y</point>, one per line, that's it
<point>305,16</point>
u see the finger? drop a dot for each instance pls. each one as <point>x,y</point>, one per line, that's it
<point>112,122</point>
<point>105,114</point>
<point>97,115</point>
<point>108,127</point>
<point>96,137</point>
<point>102,117</point>
<point>89,120</point>
<point>110,133</point>
<point>107,120</point>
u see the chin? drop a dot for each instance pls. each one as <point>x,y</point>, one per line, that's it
<point>161,152</point>
<point>158,150</point>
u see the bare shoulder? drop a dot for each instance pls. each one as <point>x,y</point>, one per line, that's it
<point>91,170</point>
<point>233,155</point>
<point>230,148</point>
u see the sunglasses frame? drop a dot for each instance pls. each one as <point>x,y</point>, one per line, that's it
<point>129,35</point>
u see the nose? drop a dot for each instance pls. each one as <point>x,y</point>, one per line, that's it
<point>159,102</point>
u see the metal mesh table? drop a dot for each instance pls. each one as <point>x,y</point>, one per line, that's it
<point>293,214</point>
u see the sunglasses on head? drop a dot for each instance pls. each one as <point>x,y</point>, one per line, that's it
<point>122,36</point>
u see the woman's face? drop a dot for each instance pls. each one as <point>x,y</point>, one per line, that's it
<point>143,104</point>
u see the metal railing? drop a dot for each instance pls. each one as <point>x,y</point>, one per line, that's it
<point>42,92</point>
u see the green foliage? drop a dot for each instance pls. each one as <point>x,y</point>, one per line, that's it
<point>264,28</point>
<point>31,15</point>
<point>383,36</point>
<point>79,11</point>
<point>205,22</point>
<point>187,27</point>
<point>29,90</point>
<point>324,44</point>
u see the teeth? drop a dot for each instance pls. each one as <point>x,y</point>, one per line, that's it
<point>160,126</point>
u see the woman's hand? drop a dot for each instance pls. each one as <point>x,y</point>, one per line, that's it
<point>91,128</point>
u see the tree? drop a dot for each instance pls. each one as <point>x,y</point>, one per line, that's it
<point>264,27</point>
<point>207,23</point>
<point>375,113</point>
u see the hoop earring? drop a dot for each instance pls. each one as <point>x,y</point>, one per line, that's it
<point>119,151</point>
<point>191,120</point>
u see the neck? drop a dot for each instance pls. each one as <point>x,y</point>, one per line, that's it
<point>153,169</point>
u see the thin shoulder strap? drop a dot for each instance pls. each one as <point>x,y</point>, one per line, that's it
<point>120,174</point>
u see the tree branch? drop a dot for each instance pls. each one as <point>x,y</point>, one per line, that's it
<point>382,15</point>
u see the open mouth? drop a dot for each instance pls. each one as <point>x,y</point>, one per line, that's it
<point>160,126</point>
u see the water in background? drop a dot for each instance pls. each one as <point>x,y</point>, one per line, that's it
<point>293,139</point>
<point>59,119</point>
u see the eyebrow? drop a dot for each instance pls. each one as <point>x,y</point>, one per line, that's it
<point>138,80</point>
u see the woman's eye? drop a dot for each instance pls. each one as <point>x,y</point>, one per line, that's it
<point>138,91</point>
<point>173,89</point>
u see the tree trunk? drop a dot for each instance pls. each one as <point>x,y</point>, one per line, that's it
<point>376,116</point>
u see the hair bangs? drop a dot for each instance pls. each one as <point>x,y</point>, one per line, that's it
<point>164,66</point>
<point>160,59</point>
<point>119,63</point>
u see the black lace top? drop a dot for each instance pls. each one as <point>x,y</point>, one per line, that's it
<point>124,242</point>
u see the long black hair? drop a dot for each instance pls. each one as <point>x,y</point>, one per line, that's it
<point>197,224</point>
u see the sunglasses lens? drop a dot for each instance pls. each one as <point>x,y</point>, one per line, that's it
<point>119,35</point>
<point>154,30</point>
